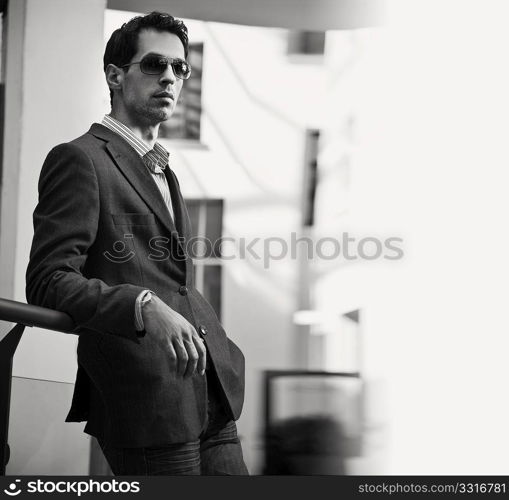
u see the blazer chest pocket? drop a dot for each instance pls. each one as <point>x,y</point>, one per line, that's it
<point>134,219</point>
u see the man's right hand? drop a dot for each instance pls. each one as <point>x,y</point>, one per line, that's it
<point>176,336</point>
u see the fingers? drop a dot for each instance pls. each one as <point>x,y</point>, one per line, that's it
<point>191,355</point>
<point>199,344</point>
<point>182,357</point>
<point>172,355</point>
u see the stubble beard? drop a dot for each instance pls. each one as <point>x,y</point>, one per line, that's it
<point>155,114</point>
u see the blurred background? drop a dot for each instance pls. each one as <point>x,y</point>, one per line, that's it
<point>365,145</point>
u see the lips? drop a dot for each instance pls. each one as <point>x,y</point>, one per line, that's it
<point>166,95</point>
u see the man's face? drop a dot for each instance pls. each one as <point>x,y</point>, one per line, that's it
<point>151,99</point>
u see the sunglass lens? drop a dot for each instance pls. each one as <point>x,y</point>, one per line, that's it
<point>181,69</point>
<point>154,65</point>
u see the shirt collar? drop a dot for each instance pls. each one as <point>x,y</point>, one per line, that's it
<point>156,159</point>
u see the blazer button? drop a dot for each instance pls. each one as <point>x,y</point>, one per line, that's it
<point>203,331</point>
<point>183,290</point>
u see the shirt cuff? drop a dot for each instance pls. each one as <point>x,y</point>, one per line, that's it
<point>138,318</point>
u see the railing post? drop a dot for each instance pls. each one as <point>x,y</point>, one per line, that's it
<point>8,347</point>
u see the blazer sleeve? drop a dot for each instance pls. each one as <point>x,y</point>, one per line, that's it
<point>65,226</point>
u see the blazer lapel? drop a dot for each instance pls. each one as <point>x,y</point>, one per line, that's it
<point>177,201</point>
<point>133,168</point>
<point>181,217</point>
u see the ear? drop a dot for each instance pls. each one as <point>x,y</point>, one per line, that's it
<point>114,77</point>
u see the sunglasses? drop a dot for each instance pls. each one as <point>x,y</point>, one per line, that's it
<point>154,64</point>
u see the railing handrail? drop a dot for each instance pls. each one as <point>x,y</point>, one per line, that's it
<point>41,317</point>
<point>22,315</point>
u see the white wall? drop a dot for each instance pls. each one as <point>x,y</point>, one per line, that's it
<point>452,322</point>
<point>431,166</point>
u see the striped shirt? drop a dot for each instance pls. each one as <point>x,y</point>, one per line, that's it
<point>156,159</point>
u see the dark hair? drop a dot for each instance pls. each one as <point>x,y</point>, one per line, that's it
<point>123,43</point>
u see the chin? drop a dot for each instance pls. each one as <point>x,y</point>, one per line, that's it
<point>163,114</point>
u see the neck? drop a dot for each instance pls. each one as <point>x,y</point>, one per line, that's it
<point>145,131</point>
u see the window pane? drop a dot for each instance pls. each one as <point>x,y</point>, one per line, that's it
<point>41,442</point>
<point>214,227</point>
<point>212,287</point>
<point>185,122</point>
<point>193,207</point>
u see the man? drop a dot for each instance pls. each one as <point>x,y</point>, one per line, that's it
<point>159,383</point>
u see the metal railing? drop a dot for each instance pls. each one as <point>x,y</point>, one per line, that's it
<point>22,315</point>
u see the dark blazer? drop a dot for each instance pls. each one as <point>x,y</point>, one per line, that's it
<point>102,235</point>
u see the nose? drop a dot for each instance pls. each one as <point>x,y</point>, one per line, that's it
<point>168,76</point>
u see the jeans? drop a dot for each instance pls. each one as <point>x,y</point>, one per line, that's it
<point>218,453</point>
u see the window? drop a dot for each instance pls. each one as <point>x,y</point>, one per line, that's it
<point>185,123</point>
<point>311,43</point>
<point>207,228</point>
